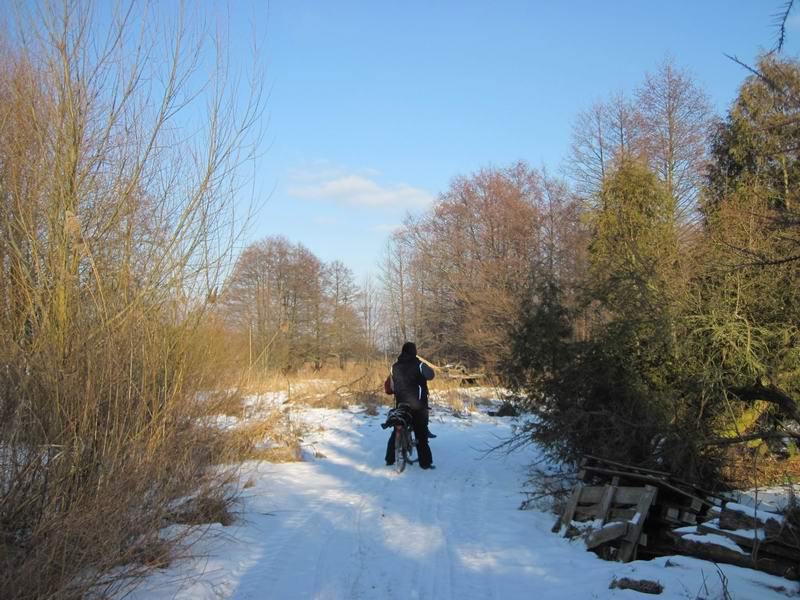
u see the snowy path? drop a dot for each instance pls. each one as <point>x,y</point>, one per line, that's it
<point>346,526</point>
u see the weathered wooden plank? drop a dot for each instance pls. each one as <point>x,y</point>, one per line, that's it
<point>627,551</point>
<point>586,513</point>
<point>608,498</point>
<point>654,481</point>
<point>736,519</point>
<point>569,509</point>
<point>671,513</point>
<point>697,504</point>
<point>617,514</point>
<point>678,516</point>
<point>591,512</point>
<point>607,533</point>
<point>593,494</point>
<point>588,459</point>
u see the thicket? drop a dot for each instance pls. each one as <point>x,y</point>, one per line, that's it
<point>285,309</point>
<point>646,308</point>
<point>453,277</point>
<point>118,160</point>
<point>694,345</point>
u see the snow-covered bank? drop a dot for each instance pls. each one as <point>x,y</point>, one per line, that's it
<point>346,526</point>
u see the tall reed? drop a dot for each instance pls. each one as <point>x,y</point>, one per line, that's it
<point>118,172</point>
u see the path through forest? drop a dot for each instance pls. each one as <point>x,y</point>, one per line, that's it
<point>342,525</point>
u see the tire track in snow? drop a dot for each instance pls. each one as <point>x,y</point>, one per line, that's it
<point>281,549</point>
<point>349,560</point>
<point>443,582</point>
<point>368,501</point>
<point>345,528</point>
<point>329,576</point>
<point>469,529</point>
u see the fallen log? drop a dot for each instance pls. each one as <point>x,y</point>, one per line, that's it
<point>721,554</point>
<point>737,516</point>
<point>757,541</point>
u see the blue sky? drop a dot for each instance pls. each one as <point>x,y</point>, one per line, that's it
<point>375,106</point>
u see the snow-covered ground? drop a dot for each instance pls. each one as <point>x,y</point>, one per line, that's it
<point>342,525</point>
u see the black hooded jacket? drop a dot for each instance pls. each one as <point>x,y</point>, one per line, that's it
<point>410,378</point>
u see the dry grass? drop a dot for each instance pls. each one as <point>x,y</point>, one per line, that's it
<point>280,454</point>
<point>210,506</point>
<point>748,468</point>
<point>227,402</point>
<point>457,401</point>
<point>329,387</point>
<point>273,437</point>
<point>357,385</point>
<point>461,401</point>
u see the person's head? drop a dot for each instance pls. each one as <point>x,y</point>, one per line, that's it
<point>409,348</point>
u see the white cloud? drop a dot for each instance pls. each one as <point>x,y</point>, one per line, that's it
<point>315,171</point>
<point>325,220</point>
<point>358,190</point>
<point>386,227</point>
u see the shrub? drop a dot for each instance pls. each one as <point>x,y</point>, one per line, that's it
<point>112,236</point>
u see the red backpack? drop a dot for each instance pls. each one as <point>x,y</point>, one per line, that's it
<point>387,385</point>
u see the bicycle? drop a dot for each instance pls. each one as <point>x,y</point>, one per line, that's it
<point>404,443</point>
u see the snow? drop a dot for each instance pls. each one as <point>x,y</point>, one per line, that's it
<point>745,533</point>
<point>760,511</point>
<point>346,526</point>
<point>717,540</point>
<point>771,499</point>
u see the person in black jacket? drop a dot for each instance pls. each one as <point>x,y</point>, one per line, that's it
<point>409,381</point>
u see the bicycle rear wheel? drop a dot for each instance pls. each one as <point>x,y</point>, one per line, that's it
<point>400,452</point>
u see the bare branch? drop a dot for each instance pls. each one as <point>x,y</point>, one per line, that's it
<point>781,19</point>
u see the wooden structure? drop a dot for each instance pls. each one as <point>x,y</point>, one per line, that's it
<point>625,512</point>
<point>679,503</point>
<point>618,513</point>
<point>652,502</point>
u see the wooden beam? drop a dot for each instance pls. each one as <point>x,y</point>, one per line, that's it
<point>593,494</point>
<point>627,551</point>
<point>607,533</point>
<point>608,498</point>
<point>626,467</point>
<point>569,509</point>
<point>654,481</point>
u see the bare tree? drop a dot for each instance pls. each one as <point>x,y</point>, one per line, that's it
<point>675,121</point>
<point>292,308</point>
<point>394,277</point>
<point>346,332</point>
<point>602,136</point>
<point>369,310</point>
<point>468,263</point>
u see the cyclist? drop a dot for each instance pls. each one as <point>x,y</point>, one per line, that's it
<point>409,382</point>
